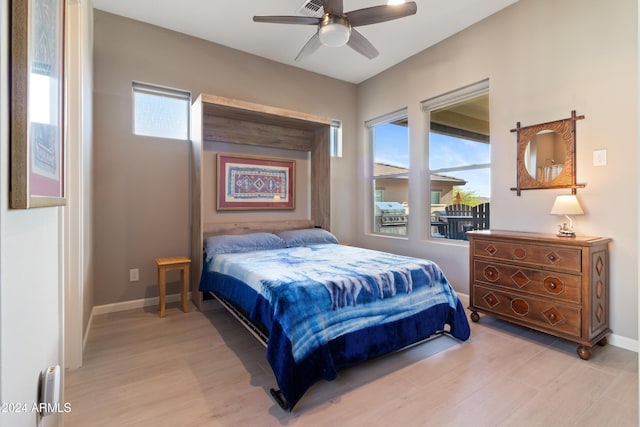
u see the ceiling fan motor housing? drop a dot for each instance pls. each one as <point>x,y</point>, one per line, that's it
<point>334,31</point>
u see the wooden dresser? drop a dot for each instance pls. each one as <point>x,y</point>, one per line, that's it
<point>552,284</point>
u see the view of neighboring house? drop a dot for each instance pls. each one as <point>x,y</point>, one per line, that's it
<point>393,186</point>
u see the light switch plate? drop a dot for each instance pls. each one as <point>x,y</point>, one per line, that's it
<point>600,157</point>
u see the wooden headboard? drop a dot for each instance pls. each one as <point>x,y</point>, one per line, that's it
<point>215,229</point>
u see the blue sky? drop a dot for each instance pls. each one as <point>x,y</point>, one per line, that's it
<point>392,147</point>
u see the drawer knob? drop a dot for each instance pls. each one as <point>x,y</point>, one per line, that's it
<point>491,273</point>
<point>554,285</point>
<point>491,300</point>
<point>553,257</point>
<point>553,316</point>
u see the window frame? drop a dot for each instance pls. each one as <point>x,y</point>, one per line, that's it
<point>371,124</point>
<point>336,138</point>
<point>160,91</point>
<point>438,102</point>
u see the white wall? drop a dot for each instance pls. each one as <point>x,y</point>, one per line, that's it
<point>544,58</point>
<point>30,281</point>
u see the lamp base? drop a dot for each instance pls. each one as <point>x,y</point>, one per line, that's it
<point>565,230</point>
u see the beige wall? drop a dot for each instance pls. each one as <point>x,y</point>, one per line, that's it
<point>395,190</point>
<point>141,185</point>
<point>544,58</point>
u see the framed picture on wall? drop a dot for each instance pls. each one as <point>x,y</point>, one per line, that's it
<point>37,104</point>
<point>247,182</point>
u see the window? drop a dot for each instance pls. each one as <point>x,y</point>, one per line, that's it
<point>389,136</point>
<point>459,161</point>
<point>160,112</point>
<point>336,138</point>
<point>435,197</point>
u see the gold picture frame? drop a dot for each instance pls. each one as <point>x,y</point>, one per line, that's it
<point>37,104</point>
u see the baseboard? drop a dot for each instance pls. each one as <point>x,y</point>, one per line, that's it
<point>133,304</point>
<point>623,342</point>
<point>614,340</point>
<point>123,306</point>
<point>464,299</point>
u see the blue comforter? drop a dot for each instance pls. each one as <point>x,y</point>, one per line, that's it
<point>330,306</point>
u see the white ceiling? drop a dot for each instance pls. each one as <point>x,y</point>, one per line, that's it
<point>229,23</point>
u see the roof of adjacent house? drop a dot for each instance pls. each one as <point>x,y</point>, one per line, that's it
<point>401,172</point>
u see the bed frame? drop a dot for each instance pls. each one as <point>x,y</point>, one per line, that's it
<point>259,335</point>
<point>264,339</point>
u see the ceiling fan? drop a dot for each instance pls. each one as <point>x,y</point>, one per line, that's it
<point>336,28</point>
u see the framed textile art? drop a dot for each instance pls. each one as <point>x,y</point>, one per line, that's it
<point>37,103</point>
<point>247,182</point>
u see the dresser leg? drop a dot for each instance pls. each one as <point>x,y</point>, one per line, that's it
<point>584,352</point>
<point>475,316</point>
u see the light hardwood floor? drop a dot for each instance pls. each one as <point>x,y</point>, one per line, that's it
<point>204,369</point>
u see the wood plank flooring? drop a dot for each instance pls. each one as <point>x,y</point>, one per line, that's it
<point>204,369</point>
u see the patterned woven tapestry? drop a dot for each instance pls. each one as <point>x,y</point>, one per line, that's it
<point>255,183</point>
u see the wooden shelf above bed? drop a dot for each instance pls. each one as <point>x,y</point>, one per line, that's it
<point>247,111</point>
<point>219,119</point>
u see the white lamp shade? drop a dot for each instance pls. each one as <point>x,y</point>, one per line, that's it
<point>334,35</point>
<point>566,205</point>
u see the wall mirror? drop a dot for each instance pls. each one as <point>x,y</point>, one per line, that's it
<point>547,155</point>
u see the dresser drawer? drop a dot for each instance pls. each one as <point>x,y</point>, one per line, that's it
<point>525,309</point>
<point>547,284</point>
<point>557,257</point>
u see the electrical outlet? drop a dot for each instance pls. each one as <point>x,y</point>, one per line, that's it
<point>134,275</point>
<point>600,157</point>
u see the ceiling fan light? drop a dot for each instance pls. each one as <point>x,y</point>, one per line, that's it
<point>334,35</point>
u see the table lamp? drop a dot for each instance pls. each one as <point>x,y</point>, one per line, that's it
<point>566,205</point>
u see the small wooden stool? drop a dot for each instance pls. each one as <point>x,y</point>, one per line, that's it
<point>174,263</point>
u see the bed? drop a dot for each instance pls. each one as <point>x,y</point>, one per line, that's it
<point>321,306</point>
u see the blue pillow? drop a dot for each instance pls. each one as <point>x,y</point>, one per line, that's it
<point>230,243</point>
<point>307,236</point>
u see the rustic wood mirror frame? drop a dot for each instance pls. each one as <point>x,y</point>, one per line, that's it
<point>566,129</point>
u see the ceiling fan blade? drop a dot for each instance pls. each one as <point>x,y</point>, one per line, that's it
<point>375,14</point>
<point>312,45</point>
<point>333,7</point>
<point>361,45</point>
<point>302,20</point>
